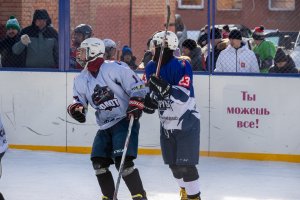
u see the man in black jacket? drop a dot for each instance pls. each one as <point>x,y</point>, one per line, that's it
<point>8,59</point>
<point>39,41</point>
<point>283,63</point>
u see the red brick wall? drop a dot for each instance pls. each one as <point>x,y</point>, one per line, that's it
<point>253,13</point>
<point>109,18</point>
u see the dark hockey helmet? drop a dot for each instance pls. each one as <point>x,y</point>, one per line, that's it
<point>85,29</point>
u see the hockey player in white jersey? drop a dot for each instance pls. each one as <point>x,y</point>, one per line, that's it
<point>3,148</point>
<point>173,93</point>
<point>115,92</point>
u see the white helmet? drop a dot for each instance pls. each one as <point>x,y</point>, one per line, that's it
<point>94,48</point>
<point>171,39</point>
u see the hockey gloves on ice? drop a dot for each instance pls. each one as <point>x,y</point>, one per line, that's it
<point>135,107</point>
<point>159,86</point>
<point>101,94</point>
<point>150,104</point>
<point>76,111</point>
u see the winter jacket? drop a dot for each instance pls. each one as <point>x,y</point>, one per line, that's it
<point>8,58</point>
<point>196,60</point>
<point>265,53</point>
<point>237,60</point>
<point>289,67</point>
<point>43,49</point>
<point>217,50</point>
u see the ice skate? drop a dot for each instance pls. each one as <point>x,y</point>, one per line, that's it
<point>183,195</point>
<point>139,197</point>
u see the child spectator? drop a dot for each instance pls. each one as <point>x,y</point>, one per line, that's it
<point>39,41</point>
<point>128,57</point>
<point>283,63</point>
<point>190,49</point>
<point>8,58</point>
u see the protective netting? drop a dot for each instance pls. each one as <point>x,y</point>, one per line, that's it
<point>259,36</point>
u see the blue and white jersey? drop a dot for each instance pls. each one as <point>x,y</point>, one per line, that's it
<point>179,110</point>
<point>3,141</point>
<point>117,79</point>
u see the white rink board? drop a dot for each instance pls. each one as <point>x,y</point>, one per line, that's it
<point>33,110</point>
<point>275,132</point>
<point>33,107</point>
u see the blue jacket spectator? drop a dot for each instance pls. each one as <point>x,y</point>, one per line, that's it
<point>39,41</point>
<point>128,58</point>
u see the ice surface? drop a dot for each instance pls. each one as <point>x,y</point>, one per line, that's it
<point>37,175</point>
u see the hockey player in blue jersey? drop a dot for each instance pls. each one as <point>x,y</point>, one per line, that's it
<point>115,92</point>
<point>3,148</point>
<point>173,93</point>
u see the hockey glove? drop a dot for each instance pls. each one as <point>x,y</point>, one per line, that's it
<point>101,94</point>
<point>76,111</point>
<point>135,107</point>
<point>150,105</point>
<point>159,86</point>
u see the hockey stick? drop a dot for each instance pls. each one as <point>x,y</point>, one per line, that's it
<point>163,45</point>
<point>123,157</point>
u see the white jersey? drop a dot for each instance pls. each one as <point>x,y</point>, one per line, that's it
<point>115,77</point>
<point>3,141</point>
<point>179,111</point>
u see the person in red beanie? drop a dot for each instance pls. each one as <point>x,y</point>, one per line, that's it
<point>263,49</point>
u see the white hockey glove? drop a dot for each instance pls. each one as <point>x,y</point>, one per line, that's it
<point>76,111</point>
<point>25,39</point>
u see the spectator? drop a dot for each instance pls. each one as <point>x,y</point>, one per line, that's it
<point>128,57</point>
<point>180,30</point>
<point>190,49</point>
<point>225,31</point>
<point>263,49</point>
<point>237,57</point>
<point>81,32</point>
<point>283,63</point>
<point>110,49</point>
<point>202,39</point>
<point>148,55</point>
<point>8,58</point>
<point>39,41</point>
<point>219,45</point>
